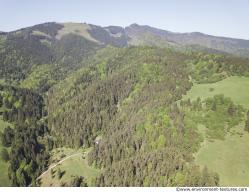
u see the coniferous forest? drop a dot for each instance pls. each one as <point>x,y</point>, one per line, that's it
<point>129,111</point>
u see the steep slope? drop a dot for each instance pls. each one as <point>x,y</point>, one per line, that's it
<point>59,47</point>
<point>37,45</point>
<point>127,98</point>
<point>81,85</point>
<point>124,104</point>
<point>64,46</point>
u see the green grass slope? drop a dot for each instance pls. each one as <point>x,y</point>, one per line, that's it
<point>225,143</point>
<point>75,28</point>
<point>229,157</point>
<point>76,165</point>
<point>235,87</point>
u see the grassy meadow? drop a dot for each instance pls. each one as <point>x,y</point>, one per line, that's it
<point>229,157</point>
<point>237,88</point>
<point>73,166</point>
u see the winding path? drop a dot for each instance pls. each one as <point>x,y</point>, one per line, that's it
<point>53,166</point>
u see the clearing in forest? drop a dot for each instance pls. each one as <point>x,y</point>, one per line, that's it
<point>72,163</point>
<point>237,88</point>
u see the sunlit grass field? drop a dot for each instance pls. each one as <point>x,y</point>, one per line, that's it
<point>74,166</point>
<point>237,88</point>
<point>229,157</point>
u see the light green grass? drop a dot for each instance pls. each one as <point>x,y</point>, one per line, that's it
<point>4,179</point>
<point>151,40</point>
<point>39,33</point>
<point>2,81</point>
<point>237,88</point>
<point>77,29</point>
<point>75,166</point>
<point>229,157</point>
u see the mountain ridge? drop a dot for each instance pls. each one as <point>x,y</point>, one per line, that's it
<point>229,45</point>
<point>85,86</point>
<point>123,27</point>
<point>137,35</point>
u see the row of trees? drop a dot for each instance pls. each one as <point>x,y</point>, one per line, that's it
<point>208,68</point>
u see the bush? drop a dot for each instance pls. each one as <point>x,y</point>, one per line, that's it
<point>78,181</point>
<point>60,173</point>
<point>7,137</point>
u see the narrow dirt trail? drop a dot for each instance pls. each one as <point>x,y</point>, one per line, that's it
<point>53,166</point>
<point>56,164</point>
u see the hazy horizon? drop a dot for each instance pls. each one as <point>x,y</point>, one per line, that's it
<point>218,18</point>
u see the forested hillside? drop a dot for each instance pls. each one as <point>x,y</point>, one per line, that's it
<point>27,155</point>
<point>127,115</point>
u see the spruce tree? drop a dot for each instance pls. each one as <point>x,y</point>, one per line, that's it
<point>247,123</point>
<point>231,109</point>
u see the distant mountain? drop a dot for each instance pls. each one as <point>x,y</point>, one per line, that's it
<point>137,35</point>
<point>143,34</point>
<point>68,44</point>
<point>65,45</point>
<point>79,85</point>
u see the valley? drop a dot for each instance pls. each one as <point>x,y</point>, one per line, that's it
<point>85,105</point>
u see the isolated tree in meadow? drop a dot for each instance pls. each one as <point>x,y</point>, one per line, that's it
<point>78,181</point>
<point>188,102</point>
<point>1,101</point>
<point>205,177</point>
<point>247,123</point>
<point>214,106</point>
<point>231,109</point>
<point>59,173</point>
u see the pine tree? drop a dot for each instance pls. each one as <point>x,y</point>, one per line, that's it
<point>247,123</point>
<point>59,173</point>
<point>231,109</point>
<point>204,177</point>
<point>214,107</point>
